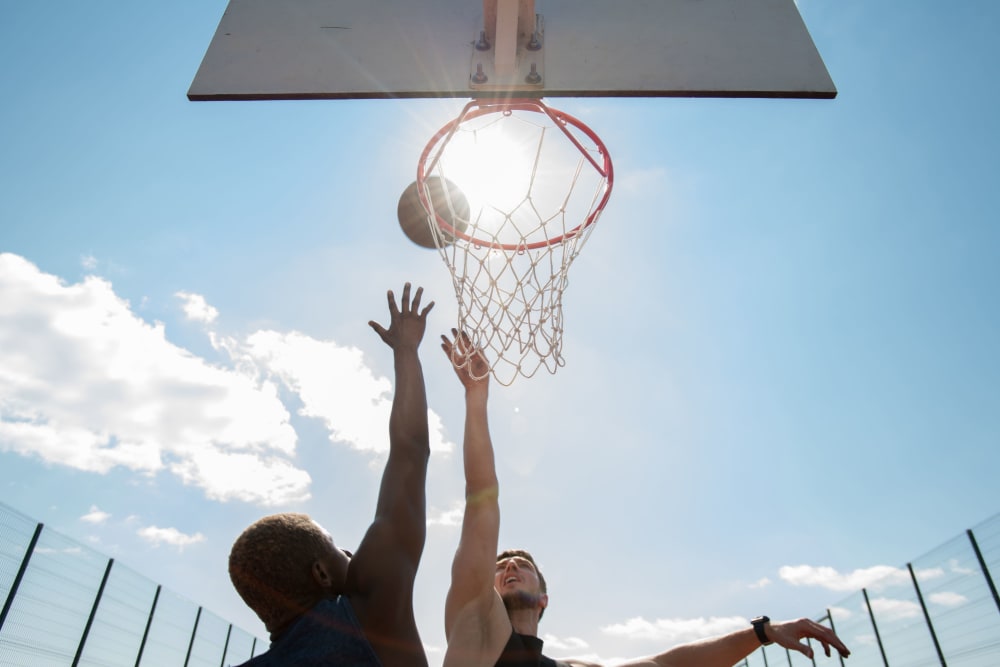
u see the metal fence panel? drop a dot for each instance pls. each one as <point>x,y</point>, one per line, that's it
<point>60,611</point>
<point>54,601</point>
<point>121,618</point>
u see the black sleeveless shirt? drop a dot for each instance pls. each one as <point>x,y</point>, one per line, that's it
<point>524,651</point>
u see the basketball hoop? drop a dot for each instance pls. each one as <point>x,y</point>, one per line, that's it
<point>536,180</point>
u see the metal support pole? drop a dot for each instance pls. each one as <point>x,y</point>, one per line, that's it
<point>878,638</point>
<point>927,616</point>
<point>20,574</point>
<point>225,648</point>
<point>982,566</point>
<point>829,617</point>
<point>193,633</point>
<point>253,647</point>
<point>93,612</point>
<point>149,622</point>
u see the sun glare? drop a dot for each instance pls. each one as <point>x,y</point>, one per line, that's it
<point>493,165</point>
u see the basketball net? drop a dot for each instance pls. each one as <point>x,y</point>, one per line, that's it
<point>536,180</point>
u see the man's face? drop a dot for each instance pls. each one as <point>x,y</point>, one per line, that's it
<point>516,576</point>
<point>335,562</point>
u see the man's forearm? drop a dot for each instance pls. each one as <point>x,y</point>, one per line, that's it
<point>480,467</point>
<point>722,651</point>
<point>408,418</point>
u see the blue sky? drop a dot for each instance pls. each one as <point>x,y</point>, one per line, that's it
<point>781,340</point>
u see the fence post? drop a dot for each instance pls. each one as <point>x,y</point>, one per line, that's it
<point>194,632</point>
<point>986,570</point>
<point>225,649</point>
<point>93,613</point>
<point>878,638</point>
<point>829,617</point>
<point>20,575</point>
<point>149,622</point>
<point>927,616</point>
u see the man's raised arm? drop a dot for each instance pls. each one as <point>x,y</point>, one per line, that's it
<point>475,618</point>
<point>395,540</point>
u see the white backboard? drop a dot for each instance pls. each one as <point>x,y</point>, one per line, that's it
<point>344,49</point>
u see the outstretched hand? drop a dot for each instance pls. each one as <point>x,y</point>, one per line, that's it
<point>469,362</point>
<point>790,633</point>
<point>406,322</point>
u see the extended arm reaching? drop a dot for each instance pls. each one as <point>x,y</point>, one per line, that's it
<point>396,537</point>
<point>727,650</point>
<point>474,614</point>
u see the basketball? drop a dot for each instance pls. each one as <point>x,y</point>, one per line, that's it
<point>413,217</point>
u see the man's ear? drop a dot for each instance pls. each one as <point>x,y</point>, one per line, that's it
<point>321,575</point>
<point>543,600</point>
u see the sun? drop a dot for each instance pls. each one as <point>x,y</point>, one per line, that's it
<point>493,164</point>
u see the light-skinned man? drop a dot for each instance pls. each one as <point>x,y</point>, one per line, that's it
<point>495,602</point>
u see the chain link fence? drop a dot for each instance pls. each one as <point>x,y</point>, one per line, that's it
<point>66,604</point>
<point>940,610</point>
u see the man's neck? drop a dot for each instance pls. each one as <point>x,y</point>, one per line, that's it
<point>303,607</point>
<point>524,621</point>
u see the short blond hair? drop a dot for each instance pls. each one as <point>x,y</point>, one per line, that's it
<point>271,562</point>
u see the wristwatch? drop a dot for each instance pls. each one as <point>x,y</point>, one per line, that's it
<point>758,628</point>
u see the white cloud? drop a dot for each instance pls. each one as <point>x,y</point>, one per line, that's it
<point>672,631</point>
<point>169,536</point>
<point>235,475</point>
<point>95,515</point>
<point>87,384</point>
<point>764,582</point>
<point>88,262</point>
<point>876,578</point>
<point>892,610</point>
<point>958,568</point>
<point>948,599</point>
<point>336,387</point>
<point>564,643</point>
<point>448,517</point>
<point>196,308</point>
<point>841,613</point>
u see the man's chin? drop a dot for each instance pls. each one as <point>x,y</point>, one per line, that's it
<point>519,600</point>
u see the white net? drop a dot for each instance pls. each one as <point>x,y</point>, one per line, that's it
<point>535,181</point>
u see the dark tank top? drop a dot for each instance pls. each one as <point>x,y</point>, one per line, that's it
<point>524,651</point>
<point>329,635</point>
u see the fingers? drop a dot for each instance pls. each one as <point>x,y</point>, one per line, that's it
<point>379,329</point>
<point>812,630</point>
<point>458,350</point>
<point>393,310</point>
<point>405,304</point>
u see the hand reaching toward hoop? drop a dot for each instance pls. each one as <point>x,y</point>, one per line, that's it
<point>468,361</point>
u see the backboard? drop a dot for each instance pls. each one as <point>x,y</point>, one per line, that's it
<point>363,49</point>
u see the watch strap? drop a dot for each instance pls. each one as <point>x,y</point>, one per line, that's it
<point>758,628</point>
